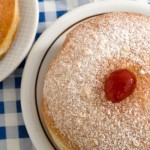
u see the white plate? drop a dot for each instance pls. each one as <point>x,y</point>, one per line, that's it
<point>23,39</point>
<point>43,52</point>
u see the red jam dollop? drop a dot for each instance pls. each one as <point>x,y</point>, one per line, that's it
<point>119,85</point>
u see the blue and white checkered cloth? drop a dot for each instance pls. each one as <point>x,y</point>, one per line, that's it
<point>13,134</point>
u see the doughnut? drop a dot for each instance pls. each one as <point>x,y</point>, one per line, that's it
<point>9,20</point>
<point>80,106</point>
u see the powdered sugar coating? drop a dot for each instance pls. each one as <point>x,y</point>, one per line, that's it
<point>74,84</point>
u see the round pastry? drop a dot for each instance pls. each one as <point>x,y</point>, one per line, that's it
<point>79,106</point>
<point>9,20</point>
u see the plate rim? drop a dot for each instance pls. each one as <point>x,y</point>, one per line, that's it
<point>28,66</point>
<point>27,49</point>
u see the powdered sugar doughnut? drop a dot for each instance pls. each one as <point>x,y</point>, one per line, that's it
<point>75,108</point>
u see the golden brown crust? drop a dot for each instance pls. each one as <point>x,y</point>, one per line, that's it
<point>58,140</point>
<point>7,12</point>
<point>9,20</point>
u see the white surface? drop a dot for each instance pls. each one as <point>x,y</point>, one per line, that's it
<point>23,39</point>
<point>35,57</point>
<point>142,1</point>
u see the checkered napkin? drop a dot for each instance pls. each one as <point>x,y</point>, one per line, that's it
<point>13,134</point>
